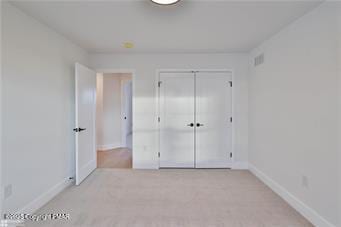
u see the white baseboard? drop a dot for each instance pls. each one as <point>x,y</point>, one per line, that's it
<point>240,165</point>
<point>145,165</point>
<point>109,146</point>
<point>297,204</point>
<point>149,165</point>
<point>44,198</point>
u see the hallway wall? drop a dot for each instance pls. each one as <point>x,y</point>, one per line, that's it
<point>109,116</point>
<point>109,110</point>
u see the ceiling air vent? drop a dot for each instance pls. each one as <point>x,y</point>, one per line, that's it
<point>259,60</point>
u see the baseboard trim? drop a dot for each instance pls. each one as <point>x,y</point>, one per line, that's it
<point>297,204</point>
<point>145,165</point>
<point>44,198</point>
<point>149,165</point>
<point>240,165</point>
<point>109,146</point>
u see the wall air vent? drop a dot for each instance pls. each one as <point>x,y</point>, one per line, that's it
<point>259,60</point>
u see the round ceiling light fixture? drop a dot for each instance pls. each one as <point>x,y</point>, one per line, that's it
<point>165,2</point>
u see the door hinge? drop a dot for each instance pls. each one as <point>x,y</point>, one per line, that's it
<point>230,82</point>
<point>231,119</point>
<point>158,154</point>
<point>159,83</point>
<point>231,155</point>
<point>158,119</point>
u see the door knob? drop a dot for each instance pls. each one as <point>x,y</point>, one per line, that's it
<point>191,125</point>
<point>198,125</point>
<point>79,129</point>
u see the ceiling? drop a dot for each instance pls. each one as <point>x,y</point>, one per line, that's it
<point>191,26</point>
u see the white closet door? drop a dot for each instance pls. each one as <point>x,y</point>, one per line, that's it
<point>213,124</point>
<point>176,120</point>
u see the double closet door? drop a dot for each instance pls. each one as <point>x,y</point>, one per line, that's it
<point>195,119</point>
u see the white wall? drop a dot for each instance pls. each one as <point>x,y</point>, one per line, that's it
<point>38,109</point>
<point>339,160</point>
<point>293,114</point>
<point>109,124</point>
<point>1,150</point>
<point>145,103</point>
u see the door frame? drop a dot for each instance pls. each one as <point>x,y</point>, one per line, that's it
<point>157,79</point>
<point>133,78</point>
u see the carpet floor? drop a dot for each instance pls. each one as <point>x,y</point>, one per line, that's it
<point>171,198</point>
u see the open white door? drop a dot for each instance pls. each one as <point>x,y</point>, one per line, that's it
<point>85,122</point>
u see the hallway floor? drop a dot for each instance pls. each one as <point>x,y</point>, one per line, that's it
<point>171,198</point>
<point>115,158</point>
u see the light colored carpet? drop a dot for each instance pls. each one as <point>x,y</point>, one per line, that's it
<point>171,198</point>
<point>115,158</point>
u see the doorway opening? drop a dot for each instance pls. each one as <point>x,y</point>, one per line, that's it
<point>114,120</point>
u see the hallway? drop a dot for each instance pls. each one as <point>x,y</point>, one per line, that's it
<point>115,158</point>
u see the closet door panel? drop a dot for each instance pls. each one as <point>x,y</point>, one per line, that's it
<point>213,125</point>
<point>176,108</point>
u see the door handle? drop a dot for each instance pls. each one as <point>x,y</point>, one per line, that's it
<point>79,129</point>
<point>191,125</point>
<point>198,124</point>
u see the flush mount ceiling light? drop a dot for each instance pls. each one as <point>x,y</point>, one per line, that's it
<point>165,2</point>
